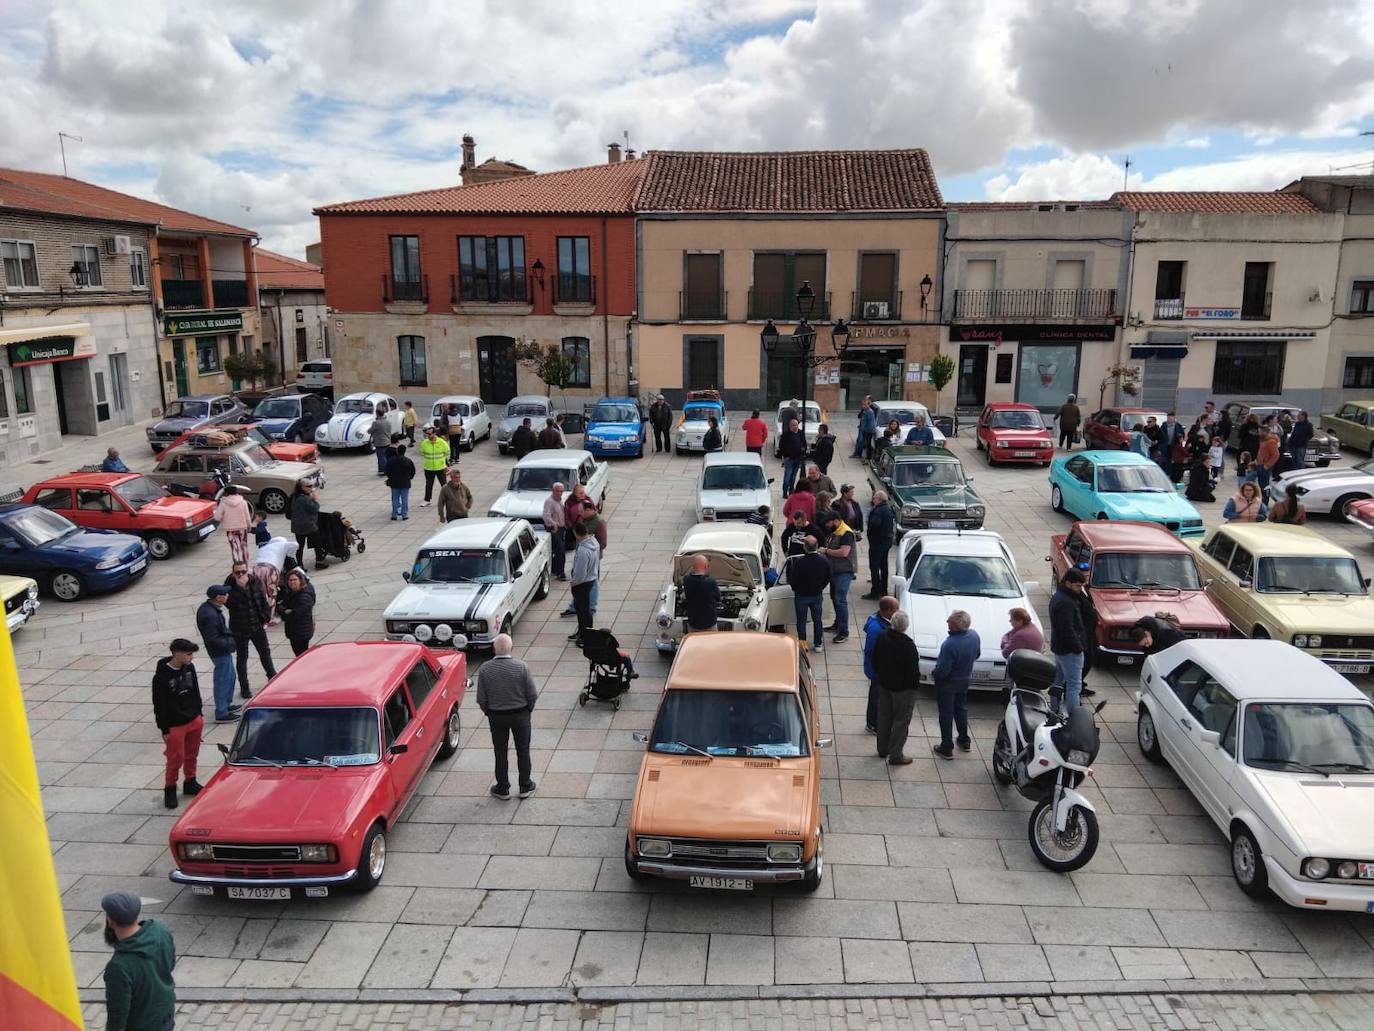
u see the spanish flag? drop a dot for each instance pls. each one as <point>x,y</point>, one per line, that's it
<point>37,986</point>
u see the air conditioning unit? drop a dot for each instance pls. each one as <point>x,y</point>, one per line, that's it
<point>875,309</point>
<point>117,245</point>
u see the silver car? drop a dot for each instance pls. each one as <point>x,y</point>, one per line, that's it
<point>535,407</point>
<point>193,413</point>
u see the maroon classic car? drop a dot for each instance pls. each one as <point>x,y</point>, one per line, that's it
<point>1134,570</point>
<point>1110,429</point>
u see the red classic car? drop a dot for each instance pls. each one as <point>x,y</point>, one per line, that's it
<point>129,503</point>
<point>326,758</point>
<point>1110,429</point>
<point>1013,432</point>
<point>281,450</point>
<point>1134,570</point>
<point>1361,513</point>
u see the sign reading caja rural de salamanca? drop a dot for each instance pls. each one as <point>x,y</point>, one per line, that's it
<point>181,325</point>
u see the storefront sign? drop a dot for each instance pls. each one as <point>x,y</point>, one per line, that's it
<point>1211,313</point>
<point>995,334</point>
<point>203,322</point>
<point>50,349</point>
<point>879,332</point>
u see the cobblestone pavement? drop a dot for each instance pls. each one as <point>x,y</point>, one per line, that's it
<point>1320,1012</point>
<point>930,879</point>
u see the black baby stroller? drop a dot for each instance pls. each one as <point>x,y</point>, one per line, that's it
<point>609,672</point>
<point>337,537</point>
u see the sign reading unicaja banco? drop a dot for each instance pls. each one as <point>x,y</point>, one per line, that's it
<point>203,322</point>
<point>50,349</point>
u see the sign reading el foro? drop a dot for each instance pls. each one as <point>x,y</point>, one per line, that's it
<point>50,349</point>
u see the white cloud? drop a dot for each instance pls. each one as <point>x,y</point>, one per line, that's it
<point>1079,177</point>
<point>1197,143</point>
<point>1262,171</point>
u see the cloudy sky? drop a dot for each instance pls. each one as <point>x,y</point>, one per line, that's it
<point>254,111</point>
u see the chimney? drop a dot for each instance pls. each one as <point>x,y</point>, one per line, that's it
<point>613,154</point>
<point>629,154</point>
<point>469,151</point>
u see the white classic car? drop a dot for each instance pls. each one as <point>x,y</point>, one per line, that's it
<point>472,410</point>
<point>814,417</point>
<point>731,485</point>
<point>1279,750</point>
<point>696,413</point>
<point>533,477</point>
<point>351,422</point>
<point>939,571</point>
<point>1332,490</point>
<point>905,413</point>
<point>471,581</point>
<point>737,554</point>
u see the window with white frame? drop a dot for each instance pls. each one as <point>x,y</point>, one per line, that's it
<point>1361,297</point>
<point>138,269</point>
<point>20,258</point>
<point>86,259</point>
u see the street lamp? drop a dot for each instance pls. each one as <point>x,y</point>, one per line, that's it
<point>802,342</point>
<point>926,287</point>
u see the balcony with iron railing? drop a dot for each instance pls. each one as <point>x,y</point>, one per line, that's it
<point>230,293</point>
<point>1034,304</point>
<point>183,293</point>
<point>781,306</point>
<point>702,305</point>
<point>1168,308</point>
<point>470,290</point>
<point>871,308</point>
<point>574,289</point>
<point>405,290</point>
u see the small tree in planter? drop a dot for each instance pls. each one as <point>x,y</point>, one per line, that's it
<point>245,367</point>
<point>546,361</point>
<point>941,372</point>
<point>1126,378</point>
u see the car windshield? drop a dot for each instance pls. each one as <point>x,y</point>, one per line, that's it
<point>532,410</point>
<point>615,413</point>
<point>1292,574</point>
<point>1366,467</point>
<point>1133,479</point>
<point>813,412</point>
<point>355,406</point>
<point>1016,420</point>
<point>139,491</point>
<point>730,723</point>
<point>978,576</point>
<point>277,408</point>
<point>733,477</point>
<point>700,413</point>
<point>38,526</point>
<point>927,474</point>
<point>258,437</point>
<point>255,456</point>
<point>1123,569</point>
<point>440,408</point>
<point>1328,736</point>
<point>186,410</point>
<point>459,566</point>
<point>904,416</point>
<point>290,736</point>
<point>540,478</point>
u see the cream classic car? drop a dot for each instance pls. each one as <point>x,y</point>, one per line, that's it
<point>533,478</point>
<point>737,554</point>
<point>814,417</point>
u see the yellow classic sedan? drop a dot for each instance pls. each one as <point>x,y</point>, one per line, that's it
<point>21,600</point>
<point>1288,584</point>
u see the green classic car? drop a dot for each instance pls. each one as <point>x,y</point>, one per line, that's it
<point>927,488</point>
<point>1353,422</point>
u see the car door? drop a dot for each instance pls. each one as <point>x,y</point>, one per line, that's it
<point>402,730</point>
<point>55,499</point>
<point>520,582</point>
<point>597,474</point>
<point>1175,720</point>
<point>426,699</point>
<point>537,551</point>
<point>18,559</point>
<point>97,508</point>
<point>1077,486</point>
<point>1240,580</point>
<point>1213,710</point>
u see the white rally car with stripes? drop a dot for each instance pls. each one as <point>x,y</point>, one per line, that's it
<point>351,424</point>
<point>469,582</point>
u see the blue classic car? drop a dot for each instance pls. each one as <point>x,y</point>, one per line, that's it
<point>292,416</point>
<point>66,559</point>
<point>1120,485</point>
<point>615,427</point>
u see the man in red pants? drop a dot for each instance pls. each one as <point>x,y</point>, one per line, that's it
<point>177,710</point>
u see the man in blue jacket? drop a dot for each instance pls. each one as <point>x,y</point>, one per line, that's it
<point>952,674</point>
<point>212,620</point>
<point>881,531</point>
<point>1068,636</point>
<point>920,433</point>
<point>809,576</point>
<point>873,628</point>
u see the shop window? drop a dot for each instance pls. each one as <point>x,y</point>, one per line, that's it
<point>23,391</point>
<point>1248,367</point>
<point>578,352</point>
<point>412,356</point>
<point>86,260</point>
<point>20,258</point>
<point>1359,372</point>
<point>1005,364</point>
<point>207,354</point>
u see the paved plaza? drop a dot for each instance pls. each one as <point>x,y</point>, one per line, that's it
<point>929,882</point>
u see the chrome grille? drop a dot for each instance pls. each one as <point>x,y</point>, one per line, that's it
<point>719,853</point>
<point>1339,641</point>
<point>257,853</point>
<point>260,872</point>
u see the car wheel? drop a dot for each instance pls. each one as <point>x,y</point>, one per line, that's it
<point>1146,735</point>
<point>1259,634</point>
<point>977,443</point>
<point>1002,757</point>
<point>471,442</point>
<point>542,591</point>
<point>991,460</point>
<point>812,880</point>
<point>159,545</point>
<point>1342,506</point>
<point>67,585</point>
<point>1102,515</point>
<point>1247,863</point>
<point>487,435</point>
<point>505,626</point>
<point>453,733</point>
<point>372,859</point>
<point>273,500</point>
<point>630,868</point>
<point>680,451</point>
<point>1056,498</point>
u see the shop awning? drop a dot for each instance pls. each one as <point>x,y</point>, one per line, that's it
<point>1257,335</point>
<point>67,329</point>
<point>1162,343</point>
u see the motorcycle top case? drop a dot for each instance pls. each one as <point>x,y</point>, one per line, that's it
<point>1031,670</point>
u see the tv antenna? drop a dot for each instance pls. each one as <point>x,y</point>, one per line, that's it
<point>62,139</point>
<point>1126,174</point>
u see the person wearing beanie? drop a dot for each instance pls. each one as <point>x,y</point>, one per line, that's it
<point>212,620</point>
<point>140,993</point>
<point>177,712</point>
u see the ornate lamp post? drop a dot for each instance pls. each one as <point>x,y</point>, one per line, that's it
<point>800,345</point>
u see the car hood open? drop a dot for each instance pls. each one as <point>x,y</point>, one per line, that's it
<point>521,504</point>
<point>726,568</point>
<point>1330,815</point>
<point>725,798</point>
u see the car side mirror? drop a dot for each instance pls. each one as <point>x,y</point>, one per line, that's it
<point>1367,581</point>
<point>899,585</point>
<point>641,736</point>
<point>1246,584</point>
<point>223,749</point>
<point>1207,583</point>
<point>405,577</point>
<point>824,742</point>
<point>1210,737</point>
<point>398,750</point>
<point>968,479</point>
<point>770,479</point>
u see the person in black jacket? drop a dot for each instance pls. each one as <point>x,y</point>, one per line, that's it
<point>296,603</point>
<point>523,440</point>
<point>1155,633</point>
<point>809,576</point>
<point>212,620</point>
<point>898,672</point>
<point>661,419</point>
<point>400,474</point>
<point>248,616</point>
<point>881,530</point>
<point>711,440</point>
<point>823,451</point>
<point>305,523</point>
<point>1068,637</point>
<point>1199,482</point>
<point>793,539</point>
<point>792,447</point>
<point>701,596</point>
<point>177,709</point>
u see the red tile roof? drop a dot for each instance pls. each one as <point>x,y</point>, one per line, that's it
<point>802,181</point>
<point>1220,202</point>
<point>594,190</point>
<point>278,272</point>
<point>60,195</point>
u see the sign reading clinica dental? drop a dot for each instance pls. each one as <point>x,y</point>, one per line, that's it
<point>50,349</point>
<point>203,322</point>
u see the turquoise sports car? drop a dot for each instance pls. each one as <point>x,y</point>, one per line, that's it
<point>1120,485</point>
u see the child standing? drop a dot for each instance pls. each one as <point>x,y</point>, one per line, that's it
<point>1216,458</point>
<point>261,534</point>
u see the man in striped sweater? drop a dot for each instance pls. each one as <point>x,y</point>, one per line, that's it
<point>506,695</point>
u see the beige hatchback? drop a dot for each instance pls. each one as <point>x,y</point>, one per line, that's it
<point>265,481</point>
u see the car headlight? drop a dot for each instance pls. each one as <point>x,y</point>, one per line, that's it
<point>752,624</point>
<point>33,593</point>
<point>784,852</point>
<point>108,563</point>
<point>319,854</point>
<point>1003,443</point>
<point>654,848</point>
<point>1316,869</point>
<point>1119,633</point>
<point>664,620</point>
<point>475,626</point>
<point>423,632</point>
<point>976,511</point>
<point>1314,640</point>
<point>1299,640</point>
<point>321,432</point>
<point>1347,869</point>
<point>443,632</point>
<point>911,510</point>
<point>503,435</point>
<point>1044,444</point>
<point>396,626</point>
<point>188,522</point>
<point>197,850</point>
<point>708,513</point>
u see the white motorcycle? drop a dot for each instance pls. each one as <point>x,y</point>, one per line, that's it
<point>1047,756</point>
